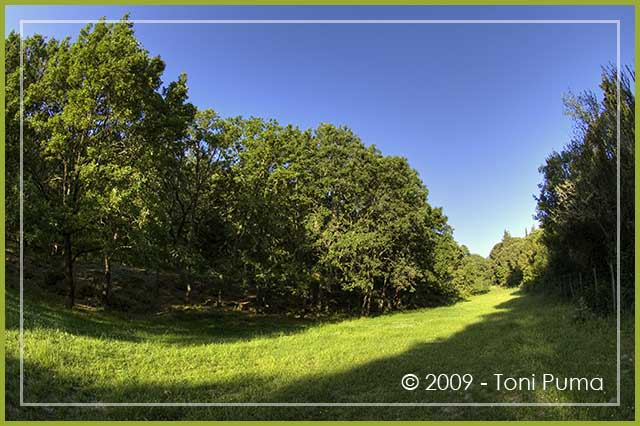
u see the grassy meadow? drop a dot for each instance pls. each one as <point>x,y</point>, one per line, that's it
<point>204,354</point>
<point>204,241</point>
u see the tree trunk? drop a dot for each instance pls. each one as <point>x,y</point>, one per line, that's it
<point>68,270</point>
<point>385,303</point>
<point>613,286</point>
<point>570,286</point>
<point>184,281</point>
<point>187,296</point>
<point>396,298</point>
<point>580,279</point>
<point>157,285</point>
<point>318,296</point>
<point>106,291</point>
<point>364,304</point>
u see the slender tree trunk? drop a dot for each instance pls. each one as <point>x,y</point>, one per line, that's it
<point>106,291</point>
<point>318,296</point>
<point>258,297</point>
<point>364,304</point>
<point>580,279</point>
<point>187,296</point>
<point>68,270</point>
<point>245,278</point>
<point>386,301</point>
<point>184,281</point>
<point>570,286</point>
<point>613,286</point>
<point>157,285</point>
<point>396,298</point>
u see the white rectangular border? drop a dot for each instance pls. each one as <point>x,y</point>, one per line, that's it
<point>318,404</point>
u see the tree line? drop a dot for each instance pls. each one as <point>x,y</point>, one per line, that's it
<point>578,202</point>
<point>516,261</point>
<point>575,252</point>
<point>121,169</point>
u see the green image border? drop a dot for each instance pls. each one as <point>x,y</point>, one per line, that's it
<point>3,3</point>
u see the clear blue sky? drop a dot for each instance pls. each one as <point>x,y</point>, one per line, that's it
<point>474,108</point>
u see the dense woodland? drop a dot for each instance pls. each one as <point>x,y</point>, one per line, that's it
<point>120,169</point>
<point>577,204</point>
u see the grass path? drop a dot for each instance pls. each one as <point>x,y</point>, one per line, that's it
<point>214,357</point>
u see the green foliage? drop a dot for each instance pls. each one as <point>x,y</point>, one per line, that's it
<point>577,204</point>
<point>86,116</point>
<point>119,167</point>
<point>518,261</point>
<point>474,275</point>
<point>37,54</point>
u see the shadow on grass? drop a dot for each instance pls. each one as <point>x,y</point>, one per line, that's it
<point>518,340</point>
<point>525,335</point>
<point>177,327</point>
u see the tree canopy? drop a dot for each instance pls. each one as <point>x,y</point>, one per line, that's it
<point>577,205</point>
<point>120,167</point>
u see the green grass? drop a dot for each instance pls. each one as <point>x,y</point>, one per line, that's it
<point>222,357</point>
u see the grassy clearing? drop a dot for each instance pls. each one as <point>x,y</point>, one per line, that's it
<point>84,356</point>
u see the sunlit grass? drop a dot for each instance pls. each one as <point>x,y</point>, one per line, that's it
<point>221,357</point>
